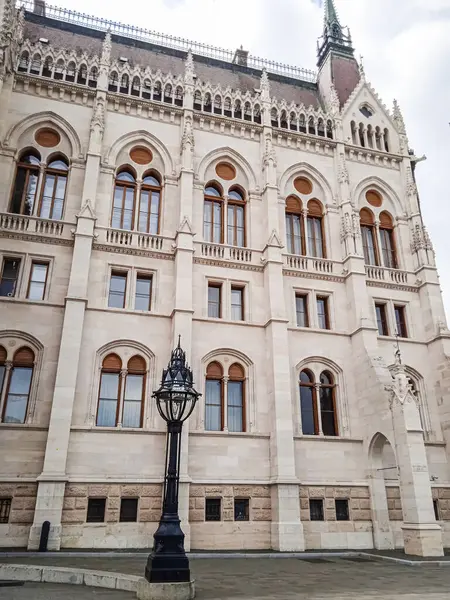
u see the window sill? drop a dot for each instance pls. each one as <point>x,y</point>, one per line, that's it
<point>328,438</point>
<point>241,434</point>
<point>99,429</point>
<point>28,426</point>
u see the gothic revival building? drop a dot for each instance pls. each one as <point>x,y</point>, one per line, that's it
<point>150,188</point>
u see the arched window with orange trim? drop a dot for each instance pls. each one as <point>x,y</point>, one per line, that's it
<point>25,185</point>
<point>308,403</point>
<point>214,404</point>
<point>316,240</point>
<point>19,386</point>
<point>109,391</point>
<point>388,248</point>
<point>328,404</point>
<point>54,188</point>
<point>213,214</point>
<point>133,399</point>
<point>150,203</point>
<point>236,218</point>
<point>295,234</point>
<point>236,398</point>
<point>368,233</point>
<point>123,203</point>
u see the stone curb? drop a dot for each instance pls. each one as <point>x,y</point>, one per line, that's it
<point>37,574</point>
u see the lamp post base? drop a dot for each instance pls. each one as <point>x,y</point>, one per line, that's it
<point>168,563</point>
<point>165,591</point>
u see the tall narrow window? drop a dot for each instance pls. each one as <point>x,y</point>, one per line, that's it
<point>143,296</point>
<point>25,185</point>
<point>117,290</point>
<point>387,241</point>
<point>214,409</point>
<point>212,218</point>
<point>316,243</point>
<point>400,321</point>
<point>382,325</point>
<point>308,407</point>
<point>295,235</point>
<point>235,399</point>
<point>123,205</point>
<point>5,509</point>
<point>237,303</point>
<point>128,510</point>
<point>38,281</point>
<point>2,368</point>
<point>214,300</point>
<point>328,404</point>
<point>149,205</point>
<point>54,189</point>
<point>70,73</point>
<point>241,509</point>
<point>236,218</point>
<point>342,512</point>
<point>19,386</point>
<point>10,277</point>
<point>301,309</point>
<point>133,399</point>
<point>323,316</point>
<point>369,237</point>
<point>109,392</point>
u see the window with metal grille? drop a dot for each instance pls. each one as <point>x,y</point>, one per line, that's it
<point>342,512</point>
<point>212,509</point>
<point>242,509</point>
<point>316,509</point>
<point>5,509</point>
<point>436,510</point>
<point>128,510</point>
<point>96,510</point>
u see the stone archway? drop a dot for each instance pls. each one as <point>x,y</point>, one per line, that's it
<point>381,453</point>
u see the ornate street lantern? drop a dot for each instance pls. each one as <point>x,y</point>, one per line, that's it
<point>176,399</point>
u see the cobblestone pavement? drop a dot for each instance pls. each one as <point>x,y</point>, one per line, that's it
<point>47,591</point>
<point>277,578</point>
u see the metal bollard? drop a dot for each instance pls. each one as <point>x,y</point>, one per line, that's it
<point>43,542</point>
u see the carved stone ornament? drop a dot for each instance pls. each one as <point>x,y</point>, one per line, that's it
<point>411,188</point>
<point>106,49</point>
<point>346,227</point>
<point>187,140</point>
<point>343,176</point>
<point>98,118</point>
<point>11,36</point>
<point>265,86</point>
<point>333,102</point>
<point>401,390</point>
<point>420,239</point>
<point>269,152</point>
<point>189,74</point>
<point>398,119</point>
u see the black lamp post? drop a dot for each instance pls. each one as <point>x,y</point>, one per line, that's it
<point>175,399</point>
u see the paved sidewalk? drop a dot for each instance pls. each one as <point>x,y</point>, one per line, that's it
<point>283,578</point>
<point>47,591</point>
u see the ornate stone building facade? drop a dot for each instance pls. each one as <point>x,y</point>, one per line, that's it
<point>266,214</point>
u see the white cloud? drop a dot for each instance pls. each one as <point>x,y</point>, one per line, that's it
<point>406,48</point>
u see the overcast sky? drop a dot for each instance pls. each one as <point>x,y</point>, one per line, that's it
<point>406,49</point>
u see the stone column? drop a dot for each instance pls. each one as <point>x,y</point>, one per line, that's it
<point>184,250</point>
<point>422,535</point>
<point>287,529</point>
<point>383,538</point>
<point>50,496</point>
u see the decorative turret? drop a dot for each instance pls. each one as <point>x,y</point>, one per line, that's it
<point>334,37</point>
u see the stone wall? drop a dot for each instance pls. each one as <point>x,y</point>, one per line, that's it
<point>229,534</point>
<point>15,532</point>
<point>77,533</point>
<point>442,495</point>
<point>394,504</point>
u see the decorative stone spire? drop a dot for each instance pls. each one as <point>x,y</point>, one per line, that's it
<point>398,118</point>
<point>362,72</point>
<point>189,74</point>
<point>333,101</point>
<point>106,49</point>
<point>265,85</point>
<point>334,36</point>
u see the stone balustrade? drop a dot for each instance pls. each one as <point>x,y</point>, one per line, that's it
<point>11,224</point>
<point>386,275</point>
<point>136,240</point>
<point>309,263</point>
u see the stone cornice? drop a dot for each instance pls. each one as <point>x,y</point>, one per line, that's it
<point>321,276</point>
<point>132,251</point>
<point>229,264</point>
<point>29,237</point>
<point>392,286</point>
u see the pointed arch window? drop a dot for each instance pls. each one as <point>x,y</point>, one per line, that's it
<point>207,105</point>
<point>328,404</point>
<point>35,67</point>
<point>308,404</point>
<point>213,215</point>
<point>388,241</point>
<point>136,87</point>
<point>247,111</point>
<point>47,68</point>
<point>24,61</point>
<point>25,185</point>
<point>214,405</point>
<point>109,391</point>
<point>217,105</point>
<point>54,189</point>
<point>147,89</point>
<point>157,91</point>
<point>150,204</point>
<point>70,73</point>
<point>123,204</point>
<point>295,232</point>
<point>82,75</point>
<point>113,82</point>
<point>93,76</point>
<point>179,96</point>
<point>198,100</point>
<point>59,69</point>
<point>221,416</point>
<point>237,110</point>
<point>18,386</point>
<point>168,94</point>
<point>316,238</point>
<point>134,394</point>
<point>236,218</point>
<point>227,107</point>
<point>368,233</point>
<point>124,84</point>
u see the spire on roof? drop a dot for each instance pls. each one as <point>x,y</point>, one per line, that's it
<point>334,36</point>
